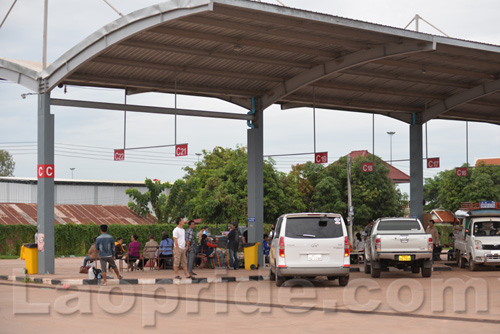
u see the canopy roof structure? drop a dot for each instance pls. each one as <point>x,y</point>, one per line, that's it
<point>255,55</point>
<point>235,50</point>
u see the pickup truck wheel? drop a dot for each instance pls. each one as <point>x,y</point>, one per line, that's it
<point>472,265</point>
<point>426,272</point>
<point>375,271</point>
<point>343,280</point>
<point>415,269</point>
<point>367,267</point>
<point>461,261</point>
<point>279,280</point>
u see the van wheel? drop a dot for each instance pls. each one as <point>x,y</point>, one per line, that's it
<point>415,269</point>
<point>426,272</point>
<point>367,267</point>
<point>279,280</point>
<point>343,280</point>
<point>472,265</point>
<point>375,271</point>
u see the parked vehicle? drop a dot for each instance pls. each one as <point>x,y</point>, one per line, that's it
<point>309,245</point>
<point>400,243</point>
<point>477,238</point>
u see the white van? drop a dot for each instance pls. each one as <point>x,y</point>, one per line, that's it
<point>310,245</point>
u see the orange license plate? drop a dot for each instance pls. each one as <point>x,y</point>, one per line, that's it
<point>404,257</point>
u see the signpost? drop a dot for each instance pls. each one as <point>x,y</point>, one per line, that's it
<point>321,158</point>
<point>45,171</point>
<point>461,171</point>
<point>181,150</point>
<point>367,167</point>
<point>119,155</point>
<point>433,163</point>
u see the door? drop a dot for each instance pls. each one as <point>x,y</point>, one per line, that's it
<point>314,241</point>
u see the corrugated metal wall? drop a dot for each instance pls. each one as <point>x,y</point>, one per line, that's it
<point>71,193</point>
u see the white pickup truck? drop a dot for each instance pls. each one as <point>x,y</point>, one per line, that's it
<point>477,239</point>
<point>398,242</point>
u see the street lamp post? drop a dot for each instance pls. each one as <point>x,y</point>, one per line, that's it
<point>72,169</point>
<point>198,154</point>
<point>391,133</point>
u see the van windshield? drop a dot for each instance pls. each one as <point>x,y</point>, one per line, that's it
<point>314,227</point>
<point>398,225</point>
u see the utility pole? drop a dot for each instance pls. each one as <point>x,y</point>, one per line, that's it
<point>350,209</point>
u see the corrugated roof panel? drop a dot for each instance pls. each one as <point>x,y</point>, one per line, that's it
<point>26,214</point>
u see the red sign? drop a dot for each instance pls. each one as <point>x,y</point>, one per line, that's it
<point>181,150</point>
<point>433,163</point>
<point>367,166</point>
<point>119,155</point>
<point>45,171</point>
<point>321,158</point>
<point>461,171</point>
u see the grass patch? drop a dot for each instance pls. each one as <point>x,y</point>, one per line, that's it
<point>9,257</point>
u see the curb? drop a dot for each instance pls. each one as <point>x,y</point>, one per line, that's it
<point>134,281</point>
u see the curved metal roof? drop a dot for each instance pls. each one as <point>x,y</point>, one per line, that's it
<point>235,50</point>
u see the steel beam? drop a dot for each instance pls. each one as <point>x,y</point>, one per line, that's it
<point>355,59</point>
<point>255,141</point>
<point>461,98</point>
<point>149,109</point>
<point>416,172</point>
<point>45,199</point>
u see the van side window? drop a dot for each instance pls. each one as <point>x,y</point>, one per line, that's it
<point>278,226</point>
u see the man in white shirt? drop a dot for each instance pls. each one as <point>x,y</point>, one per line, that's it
<point>179,235</point>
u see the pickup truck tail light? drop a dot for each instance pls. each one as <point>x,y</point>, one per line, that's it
<point>378,244</point>
<point>429,244</point>
<point>282,247</point>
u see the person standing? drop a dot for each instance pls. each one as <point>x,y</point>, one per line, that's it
<point>191,247</point>
<point>233,245</point>
<point>272,233</point>
<point>180,259</point>
<point>432,230</point>
<point>105,244</point>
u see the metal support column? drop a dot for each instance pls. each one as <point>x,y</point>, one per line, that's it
<point>416,172</point>
<point>255,139</point>
<point>45,173</point>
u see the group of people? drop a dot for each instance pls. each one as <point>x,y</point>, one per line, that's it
<point>179,251</point>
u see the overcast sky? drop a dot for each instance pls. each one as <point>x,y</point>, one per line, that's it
<point>85,139</point>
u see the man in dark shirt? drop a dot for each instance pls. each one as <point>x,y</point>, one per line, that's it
<point>233,245</point>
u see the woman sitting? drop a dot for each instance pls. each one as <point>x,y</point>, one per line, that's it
<point>134,253</point>
<point>166,245</point>
<point>92,254</point>
<point>119,249</point>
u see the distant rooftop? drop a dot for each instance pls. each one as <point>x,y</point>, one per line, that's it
<point>26,214</point>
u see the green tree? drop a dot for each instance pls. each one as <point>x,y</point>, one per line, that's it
<point>307,176</point>
<point>154,196</point>
<point>7,164</point>
<point>482,183</point>
<point>216,189</point>
<point>373,193</point>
